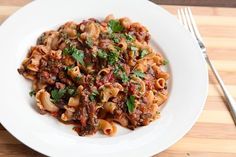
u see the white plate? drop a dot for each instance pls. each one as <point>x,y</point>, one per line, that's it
<point>188,84</point>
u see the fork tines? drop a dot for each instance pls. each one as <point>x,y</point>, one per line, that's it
<point>186,18</point>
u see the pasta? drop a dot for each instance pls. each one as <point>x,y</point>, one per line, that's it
<point>106,127</point>
<point>95,73</point>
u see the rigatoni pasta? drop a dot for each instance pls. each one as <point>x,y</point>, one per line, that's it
<point>94,73</point>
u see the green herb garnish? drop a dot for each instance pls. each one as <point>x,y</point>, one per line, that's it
<point>130,103</point>
<point>113,57</point>
<point>139,74</point>
<point>115,26</point>
<point>102,54</point>
<point>116,70</point>
<point>114,38</point>
<point>89,42</point>
<point>129,37</point>
<point>165,62</point>
<point>71,91</point>
<point>68,67</point>
<point>119,72</point>
<point>78,56</point>
<point>58,94</point>
<point>124,77</point>
<point>32,93</point>
<point>143,53</point>
<point>66,51</point>
<point>133,48</point>
<point>93,95</point>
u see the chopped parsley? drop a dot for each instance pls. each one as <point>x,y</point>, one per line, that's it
<point>93,95</point>
<point>102,54</point>
<point>67,51</point>
<point>129,37</point>
<point>58,94</point>
<point>130,104</point>
<point>139,74</point>
<point>71,91</point>
<point>124,77</point>
<point>165,62</point>
<point>32,93</point>
<point>113,57</point>
<point>89,42</point>
<point>114,38</point>
<point>117,70</point>
<point>143,53</point>
<point>133,48</point>
<point>78,55</point>
<point>68,67</point>
<point>115,26</point>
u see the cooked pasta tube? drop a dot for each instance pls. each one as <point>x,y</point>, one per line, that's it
<point>106,127</point>
<point>109,107</point>
<point>160,83</point>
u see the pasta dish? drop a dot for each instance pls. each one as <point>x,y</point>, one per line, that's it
<point>97,73</point>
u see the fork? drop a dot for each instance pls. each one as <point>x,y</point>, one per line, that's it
<point>185,16</point>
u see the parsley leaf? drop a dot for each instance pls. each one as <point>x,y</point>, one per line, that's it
<point>114,38</point>
<point>124,77</point>
<point>116,70</point>
<point>89,42</point>
<point>71,91</point>
<point>93,95</point>
<point>165,62</point>
<point>139,74</point>
<point>119,72</point>
<point>68,67</point>
<point>143,53</point>
<point>115,26</point>
<point>32,93</point>
<point>102,54</point>
<point>130,104</point>
<point>133,48</point>
<point>129,37</point>
<point>113,57</point>
<point>78,55</point>
<point>57,94</point>
<point>66,51</point>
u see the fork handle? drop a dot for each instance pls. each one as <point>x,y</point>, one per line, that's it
<point>230,100</point>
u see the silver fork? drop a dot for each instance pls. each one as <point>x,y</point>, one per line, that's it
<point>186,18</point>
